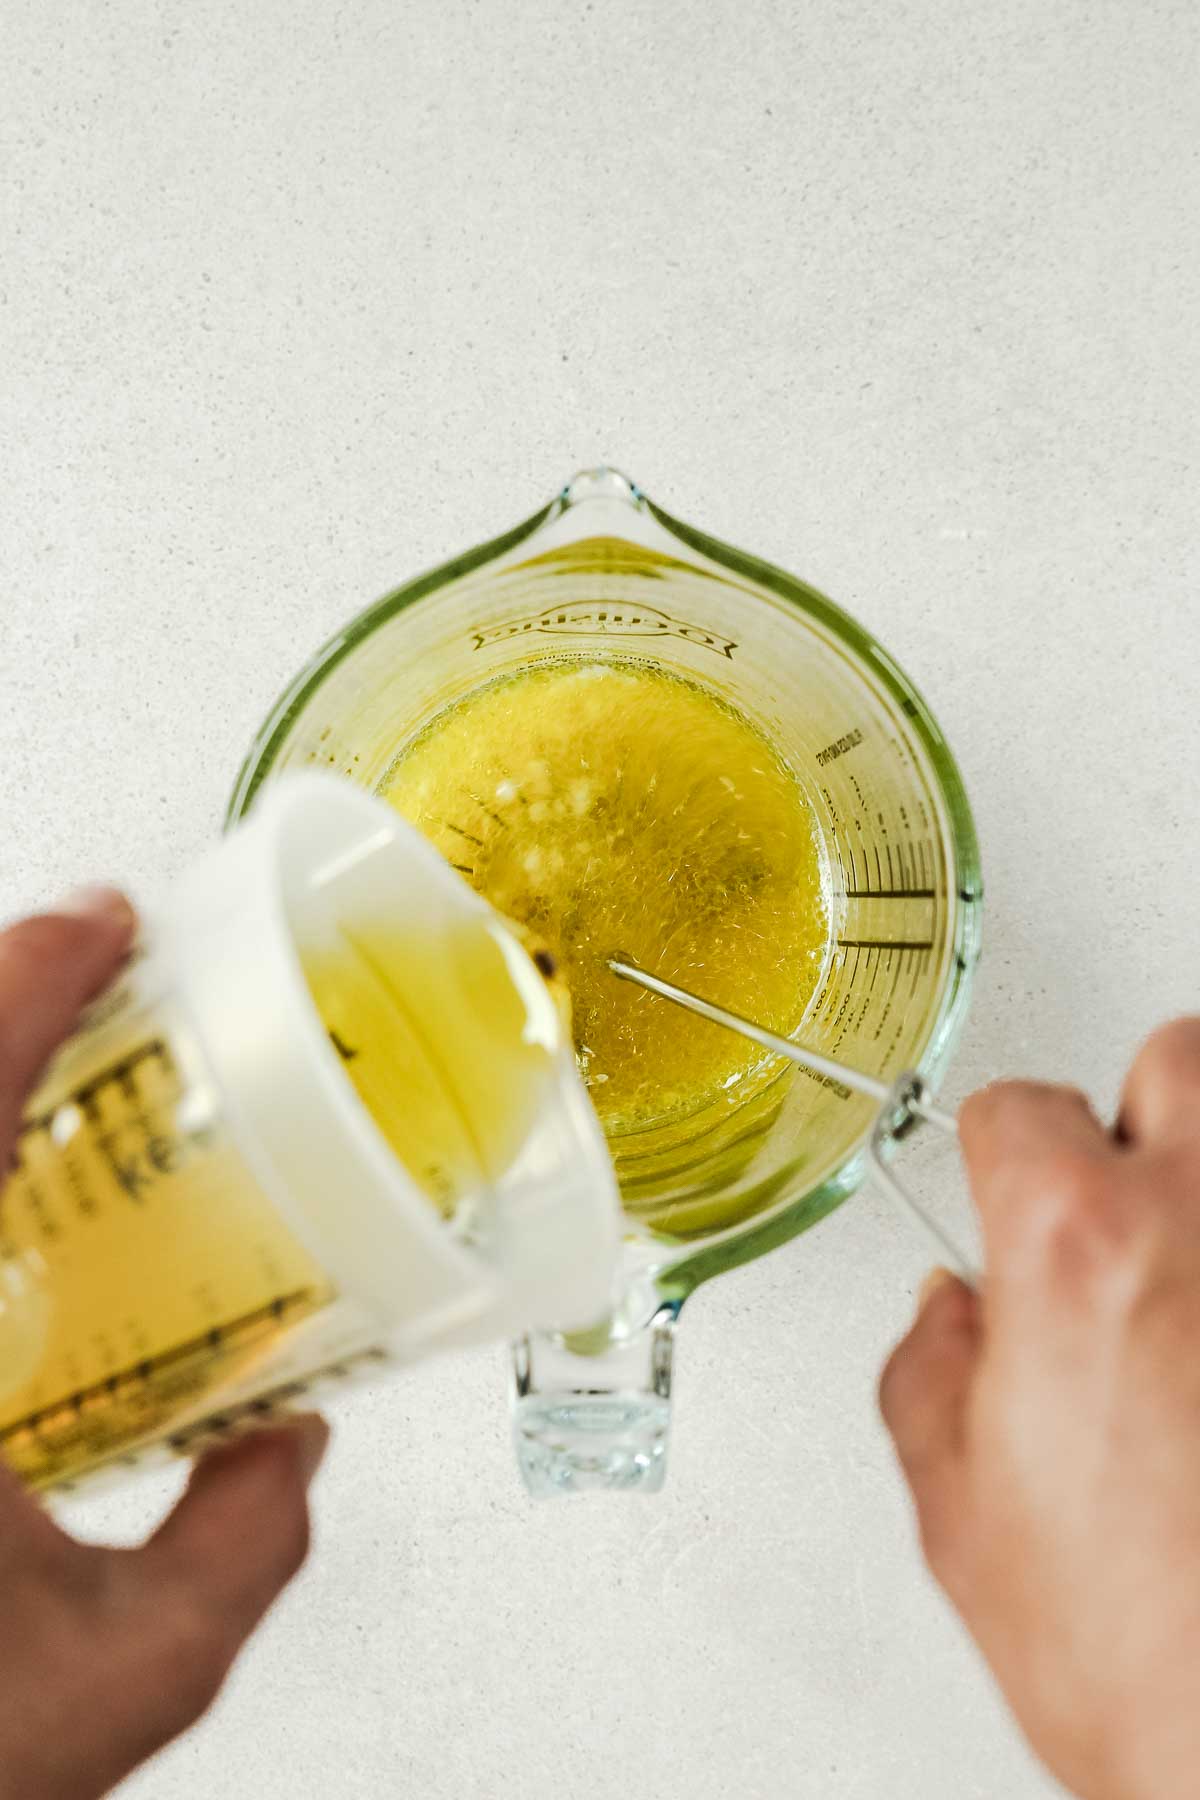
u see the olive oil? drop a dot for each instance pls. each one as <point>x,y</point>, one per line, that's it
<point>142,1268</point>
<point>145,1275</point>
<point>448,1041</point>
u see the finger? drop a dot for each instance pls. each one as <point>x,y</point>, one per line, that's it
<point>923,1396</point>
<point>1160,1102</point>
<point>136,1643</point>
<point>1022,1120</point>
<point>180,1608</point>
<point>30,1540</point>
<point>1019,1138</point>
<point>240,1532</point>
<point>50,967</point>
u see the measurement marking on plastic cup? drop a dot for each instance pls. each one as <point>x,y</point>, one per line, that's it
<point>144,1371</point>
<point>902,893</point>
<point>142,1143</point>
<point>119,1073</point>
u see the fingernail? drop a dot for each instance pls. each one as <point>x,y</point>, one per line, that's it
<point>97,902</point>
<point>932,1284</point>
<point>312,1434</point>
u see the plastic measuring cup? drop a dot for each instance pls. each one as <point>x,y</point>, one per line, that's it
<point>603,573</point>
<point>205,1218</point>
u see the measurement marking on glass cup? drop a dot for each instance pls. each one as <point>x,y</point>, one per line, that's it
<point>874,971</point>
<point>901,893</point>
<point>885,943</point>
<point>911,884</point>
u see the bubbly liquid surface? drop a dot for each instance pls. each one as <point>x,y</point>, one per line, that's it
<point>609,807</point>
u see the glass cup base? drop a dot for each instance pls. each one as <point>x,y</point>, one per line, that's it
<point>579,1443</point>
<point>610,1435</point>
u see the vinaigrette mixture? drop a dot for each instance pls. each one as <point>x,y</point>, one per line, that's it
<point>606,807</point>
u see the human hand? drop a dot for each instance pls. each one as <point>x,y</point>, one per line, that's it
<point>108,1654</point>
<point>1049,1427</point>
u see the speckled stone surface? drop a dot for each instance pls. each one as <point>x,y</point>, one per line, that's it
<point>298,299</point>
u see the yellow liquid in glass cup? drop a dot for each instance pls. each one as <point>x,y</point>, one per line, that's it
<point>608,807</point>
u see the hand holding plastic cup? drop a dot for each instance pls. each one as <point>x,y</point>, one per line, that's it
<point>328,1118</point>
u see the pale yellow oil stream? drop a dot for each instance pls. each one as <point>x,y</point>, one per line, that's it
<point>610,807</point>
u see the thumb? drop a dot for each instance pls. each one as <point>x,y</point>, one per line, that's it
<point>923,1395</point>
<point>111,1653</point>
<point>201,1584</point>
<point>241,1530</point>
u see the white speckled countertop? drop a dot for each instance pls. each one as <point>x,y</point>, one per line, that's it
<point>296,300</point>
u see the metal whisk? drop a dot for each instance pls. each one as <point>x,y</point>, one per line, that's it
<point>901,1102</point>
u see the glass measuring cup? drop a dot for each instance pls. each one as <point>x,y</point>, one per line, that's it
<point>603,573</point>
<point>208,1212</point>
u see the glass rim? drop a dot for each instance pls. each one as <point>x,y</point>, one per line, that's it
<point>685,1267</point>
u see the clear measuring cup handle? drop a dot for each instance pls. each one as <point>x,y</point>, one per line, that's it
<point>594,1417</point>
<point>909,1102</point>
